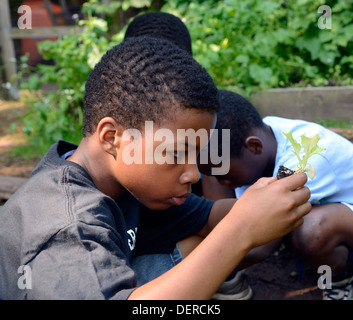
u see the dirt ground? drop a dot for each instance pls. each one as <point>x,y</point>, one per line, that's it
<point>11,135</point>
<point>281,277</point>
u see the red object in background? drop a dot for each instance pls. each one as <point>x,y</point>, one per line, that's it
<point>40,18</point>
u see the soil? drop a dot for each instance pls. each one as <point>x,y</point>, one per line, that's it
<point>284,172</point>
<point>283,276</point>
<point>11,135</point>
<point>280,277</point>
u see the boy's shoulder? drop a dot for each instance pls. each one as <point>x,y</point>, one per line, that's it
<point>300,127</point>
<point>57,194</point>
<point>288,124</point>
<point>55,157</point>
<point>68,189</point>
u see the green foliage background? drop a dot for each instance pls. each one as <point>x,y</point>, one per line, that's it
<point>246,46</point>
<point>254,44</point>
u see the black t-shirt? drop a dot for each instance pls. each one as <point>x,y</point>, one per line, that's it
<point>62,238</point>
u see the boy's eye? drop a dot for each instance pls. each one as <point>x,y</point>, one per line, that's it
<point>179,155</point>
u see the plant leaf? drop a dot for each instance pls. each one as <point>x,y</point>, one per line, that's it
<point>310,145</point>
<point>310,171</point>
<point>294,143</point>
<point>316,150</point>
<point>296,146</point>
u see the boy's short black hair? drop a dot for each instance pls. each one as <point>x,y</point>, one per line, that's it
<point>161,25</point>
<point>240,116</point>
<point>146,79</point>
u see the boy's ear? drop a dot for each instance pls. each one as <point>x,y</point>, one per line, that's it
<point>254,144</point>
<point>109,135</point>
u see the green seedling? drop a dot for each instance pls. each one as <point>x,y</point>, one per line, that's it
<point>309,146</point>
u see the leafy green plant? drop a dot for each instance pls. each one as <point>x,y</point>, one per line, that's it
<point>253,45</point>
<point>309,146</point>
<point>99,7</point>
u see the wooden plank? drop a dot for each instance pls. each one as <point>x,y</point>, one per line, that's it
<point>45,32</point>
<point>8,185</point>
<point>8,49</point>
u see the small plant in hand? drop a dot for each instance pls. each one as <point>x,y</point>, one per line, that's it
<point>309,147</point>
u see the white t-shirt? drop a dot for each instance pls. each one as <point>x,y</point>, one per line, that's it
<point>334,166</point>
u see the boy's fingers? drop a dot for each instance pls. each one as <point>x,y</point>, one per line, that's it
<point>263,182</point>
<point>294,181</point>
<point>301,211</point>
<point>304,209</point>
<point>304,194</point>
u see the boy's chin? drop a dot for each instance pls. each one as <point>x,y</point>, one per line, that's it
<point>158,205</point>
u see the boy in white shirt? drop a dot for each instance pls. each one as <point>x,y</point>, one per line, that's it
<point>258,148</point>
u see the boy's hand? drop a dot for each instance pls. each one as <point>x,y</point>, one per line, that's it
<point>272,208</point>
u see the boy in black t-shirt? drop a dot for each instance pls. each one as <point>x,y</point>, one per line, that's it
<point>70,231</point>
<point>166,26</point>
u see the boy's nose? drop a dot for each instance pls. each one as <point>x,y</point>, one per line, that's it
<point>191,175</point>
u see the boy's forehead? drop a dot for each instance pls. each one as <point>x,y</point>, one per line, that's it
<point>188,128</point>
<point>189,118</point>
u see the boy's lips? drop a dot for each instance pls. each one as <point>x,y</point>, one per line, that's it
<point>178,201</point>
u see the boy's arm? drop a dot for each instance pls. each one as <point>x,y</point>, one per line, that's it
<point>267,210</point>
<point>219,210</point>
